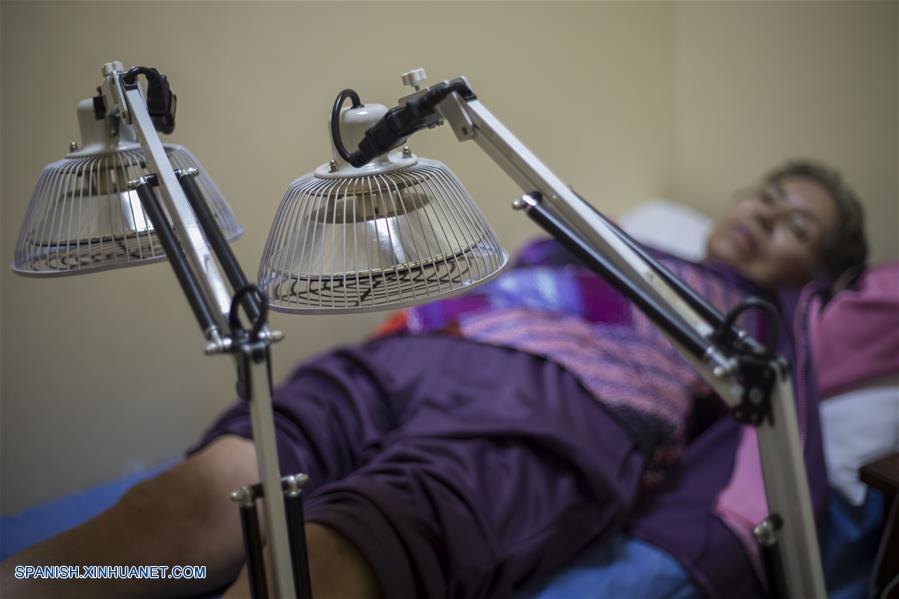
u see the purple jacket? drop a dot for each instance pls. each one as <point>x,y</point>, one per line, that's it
<point>865,320</point>
<point>704,512</point>
<point>705,515</point>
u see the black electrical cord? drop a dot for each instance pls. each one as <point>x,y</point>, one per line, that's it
<point>335,120</point>
<point>725,331</point>
<point>402,121</point>
<point>261,318</point>
<point>149,72</point>
<point>161,102</point>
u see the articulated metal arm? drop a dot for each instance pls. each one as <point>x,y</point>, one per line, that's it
<point>132,107</point>
<point>681,322</point>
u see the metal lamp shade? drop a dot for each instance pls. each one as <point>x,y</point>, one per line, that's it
<point>365,241</point>
<point>83,217</point>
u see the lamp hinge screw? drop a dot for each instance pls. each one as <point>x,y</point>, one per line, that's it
<point>332,166</point>
<point>407,153</point>
<point>414,78</point>
<point>73,146</point>
<point>755,396</point>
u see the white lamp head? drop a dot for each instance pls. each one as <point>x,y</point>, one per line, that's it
<point>83,217</point>
<point>397,231</point>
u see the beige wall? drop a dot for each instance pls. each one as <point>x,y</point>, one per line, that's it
<point>756,83</point>
<point>103,374</point>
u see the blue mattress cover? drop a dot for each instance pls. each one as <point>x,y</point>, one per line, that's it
<point>621,566</point>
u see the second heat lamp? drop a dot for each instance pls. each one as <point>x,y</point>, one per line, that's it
<point>397,231</point>
<point>84,217</point>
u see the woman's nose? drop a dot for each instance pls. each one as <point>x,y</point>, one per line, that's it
<point>764,216</point>
<point>768,215</point>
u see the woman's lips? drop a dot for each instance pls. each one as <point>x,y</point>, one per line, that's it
<point>745,239</point>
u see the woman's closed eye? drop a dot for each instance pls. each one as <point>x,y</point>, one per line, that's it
<point>799,227</point>
<point>768,196</point>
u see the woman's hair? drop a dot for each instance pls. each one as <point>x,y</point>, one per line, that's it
<point>846,248</point>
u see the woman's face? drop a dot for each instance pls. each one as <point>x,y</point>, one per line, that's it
<point>774,235</point>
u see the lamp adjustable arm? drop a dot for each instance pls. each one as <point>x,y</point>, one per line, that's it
<point>200,241</point>
<point>677,316</point>
<point>126,101</point>
<point>689,321</point>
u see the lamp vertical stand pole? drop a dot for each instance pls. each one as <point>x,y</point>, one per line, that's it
<point>256,386</point>
<point>252,541</point>
<point>296,534</point>
<point>292,485</point>
<point>788,494</point>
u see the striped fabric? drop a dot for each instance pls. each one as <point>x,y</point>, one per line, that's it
<point>550,306</point>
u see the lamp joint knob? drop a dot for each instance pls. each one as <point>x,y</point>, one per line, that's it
<point>414,78</point>
<point>112,67</point>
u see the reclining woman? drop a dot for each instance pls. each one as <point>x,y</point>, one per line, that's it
<point>478,442</point>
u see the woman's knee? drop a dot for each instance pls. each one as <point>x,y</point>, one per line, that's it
<point>186,511</point>
<point>337,569</point>
<point>204,479</point>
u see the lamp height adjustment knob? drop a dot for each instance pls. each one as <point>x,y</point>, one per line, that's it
<point>414,78</point>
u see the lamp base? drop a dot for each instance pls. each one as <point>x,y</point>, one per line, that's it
<point>246,497</point>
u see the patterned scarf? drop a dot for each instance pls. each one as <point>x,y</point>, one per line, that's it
<point>551,306</point>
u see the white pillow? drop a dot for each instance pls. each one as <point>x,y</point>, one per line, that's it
<point>859,427</point>
<point>670,227</point>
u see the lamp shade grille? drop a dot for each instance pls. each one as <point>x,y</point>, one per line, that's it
<point>376,241</point>
<point>83,217</point>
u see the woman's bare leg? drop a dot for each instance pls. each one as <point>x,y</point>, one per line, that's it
<point>337,569</point>
<point>182,517</point>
